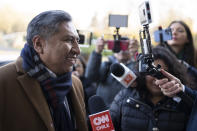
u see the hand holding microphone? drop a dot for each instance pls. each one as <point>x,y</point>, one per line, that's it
<point>100,117</point>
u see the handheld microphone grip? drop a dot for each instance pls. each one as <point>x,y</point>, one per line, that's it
<point>96,104</point>
<point>100,118</point>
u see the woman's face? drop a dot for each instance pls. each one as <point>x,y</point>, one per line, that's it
<point>150,81</point>
<point>123,56</point>
<point>179,35</point>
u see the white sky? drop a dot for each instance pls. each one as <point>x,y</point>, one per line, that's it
<point>83,10</point>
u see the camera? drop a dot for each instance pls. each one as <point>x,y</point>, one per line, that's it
<point>145,13</point>
<point>145,59</point>
<point>119,43</point>
<point>85,37</point>
<point>81,37</point>
<point>163,35</point>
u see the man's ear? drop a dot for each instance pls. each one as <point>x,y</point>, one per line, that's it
<point>38,44</point>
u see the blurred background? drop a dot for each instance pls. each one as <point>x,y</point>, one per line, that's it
<point>90,18</point>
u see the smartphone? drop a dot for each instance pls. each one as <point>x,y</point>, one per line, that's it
<point>163,35</point>
<point>118,20</point>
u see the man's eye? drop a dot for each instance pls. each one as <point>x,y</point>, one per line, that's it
<point>68,40</point>
<point>71,40</point>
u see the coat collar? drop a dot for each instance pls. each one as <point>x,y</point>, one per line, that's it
<point>34,94</point>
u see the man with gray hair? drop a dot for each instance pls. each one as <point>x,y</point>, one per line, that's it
<point>37,91</point>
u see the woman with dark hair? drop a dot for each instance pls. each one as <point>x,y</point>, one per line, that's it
<point>150,104</point>
<point>182,46</point>
<point>182,42</point>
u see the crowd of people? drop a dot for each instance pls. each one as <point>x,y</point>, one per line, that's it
<point>47,88</point>
<point>150,105</point>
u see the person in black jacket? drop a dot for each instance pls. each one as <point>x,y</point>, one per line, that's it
<point>151,104</point>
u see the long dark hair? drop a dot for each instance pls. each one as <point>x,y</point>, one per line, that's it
<point>174,67</point>
<point>188,50</point>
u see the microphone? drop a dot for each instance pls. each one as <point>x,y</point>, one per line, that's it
<point>100,118</point>
<point>122,74</point>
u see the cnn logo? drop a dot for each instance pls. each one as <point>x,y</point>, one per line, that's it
<point>101,120</point>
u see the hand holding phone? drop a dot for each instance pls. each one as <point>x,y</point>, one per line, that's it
<point>163,35</point>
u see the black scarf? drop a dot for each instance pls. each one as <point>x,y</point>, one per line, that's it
<point>55,89</point>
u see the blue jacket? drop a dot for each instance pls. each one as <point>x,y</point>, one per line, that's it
<point>193,72</point>
<point>192,123</point>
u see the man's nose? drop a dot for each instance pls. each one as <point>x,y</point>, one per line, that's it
<point>76,48</point>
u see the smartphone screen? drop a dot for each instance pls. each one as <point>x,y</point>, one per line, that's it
<point>166,34</point>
